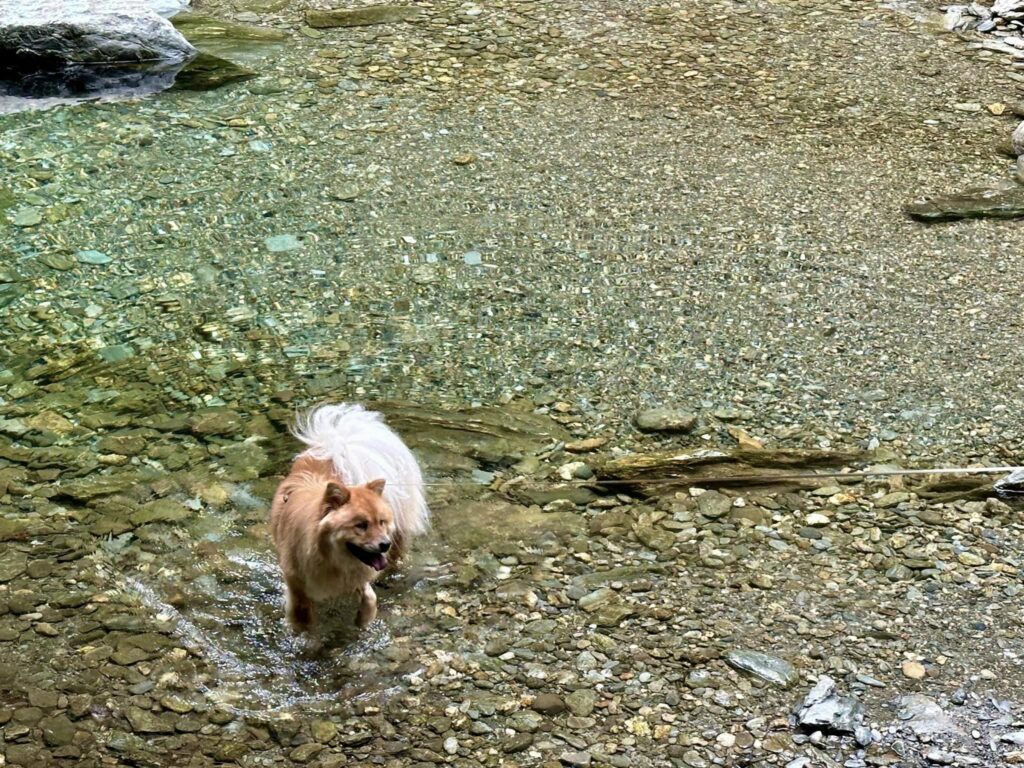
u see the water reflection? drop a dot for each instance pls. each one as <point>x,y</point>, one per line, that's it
<point>40,89</point>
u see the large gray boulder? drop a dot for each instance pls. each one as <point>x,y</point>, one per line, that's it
<point>51,34</point>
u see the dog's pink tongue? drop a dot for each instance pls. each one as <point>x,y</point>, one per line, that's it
<point>379,562</point>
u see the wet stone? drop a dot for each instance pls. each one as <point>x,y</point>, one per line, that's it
<point>160,511</point>
<point>216,422</point>
<point>206,72</point>
<point>93,257</point>
<point>57,261</point>
<point>913,669</point>
<point>12,529</point>
<point>283,243</point>
<point>105,485</point>
<point>653,536</point>
<point>323,730</point>
<point>46,629</point>
<point>147,722</point>
<point>517,743</point>
<point>11,292</point>
<point>769,668</point>
<point>27,755</point>
<point>116,353</point>
<point>9,632</point>
<point>12,564</point>
<point>305,752</point>
<point>188,725</point>
<point>176,704</point>
<point>28,715</point>
<point>899,573</point>
<point>665,420</point>
<point>925,717</point>
<point>356,738</point>
<point>41,698</point>
<point>594,600</point>
<point>496,646</point>
<point>698,678</point>
<point>247,460</point>
<point>612,614</point>
<point>713,504</point>
<point>57,731</point>
<point>128,656</point>
<point>127,445</point>
<point>971,559</point>
<point>892,499</point>
<point>585,446</point>
<point>27,217</point>
<point>581,703</point>
<point>1012,483</point>
<point>575,759</point>
<point>360,17</point>
<point>346,193</point>
<point>548,704</point>
<point>230,751</point>
<point>823,710</point>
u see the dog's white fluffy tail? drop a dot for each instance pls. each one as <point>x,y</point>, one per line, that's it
<point>363,448</point>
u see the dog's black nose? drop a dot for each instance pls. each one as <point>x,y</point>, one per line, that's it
<point>385,545</point>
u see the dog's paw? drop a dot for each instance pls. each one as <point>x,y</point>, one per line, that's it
<point>309,646</point>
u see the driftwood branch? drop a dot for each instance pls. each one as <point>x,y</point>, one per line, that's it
<point>651,474</point>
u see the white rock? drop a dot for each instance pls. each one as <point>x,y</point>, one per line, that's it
<point>726,740</point>
<point>568,471</point>
<point>47,33</point>
<point>1007,6</point>
<point>1018,140</point>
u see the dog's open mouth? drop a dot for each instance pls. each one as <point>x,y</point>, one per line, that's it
<point>376,560</point>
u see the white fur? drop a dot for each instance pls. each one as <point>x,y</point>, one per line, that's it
<point>363,448</point>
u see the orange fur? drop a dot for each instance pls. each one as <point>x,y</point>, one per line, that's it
<point>331,539</point>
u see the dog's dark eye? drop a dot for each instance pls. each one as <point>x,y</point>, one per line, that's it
<point>362,525</point>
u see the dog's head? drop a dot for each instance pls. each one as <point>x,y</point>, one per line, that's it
<point>357,521</point>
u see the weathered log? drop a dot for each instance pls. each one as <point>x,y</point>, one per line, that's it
<point>1002,202</point>
<point>652,474</point>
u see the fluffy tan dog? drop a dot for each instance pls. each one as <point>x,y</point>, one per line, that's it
<point>346,511</point>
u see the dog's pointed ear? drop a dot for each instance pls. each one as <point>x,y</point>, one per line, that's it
<point>335,496</point>
<point>377,486</point>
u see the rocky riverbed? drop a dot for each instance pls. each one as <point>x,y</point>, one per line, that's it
<point>551,238</point>
<point>543,621</point>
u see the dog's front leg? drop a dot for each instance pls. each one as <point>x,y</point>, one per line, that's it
<point>367,606</point>
<point>299,608</point>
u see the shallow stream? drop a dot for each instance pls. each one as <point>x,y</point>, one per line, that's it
<point>552,216</point>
